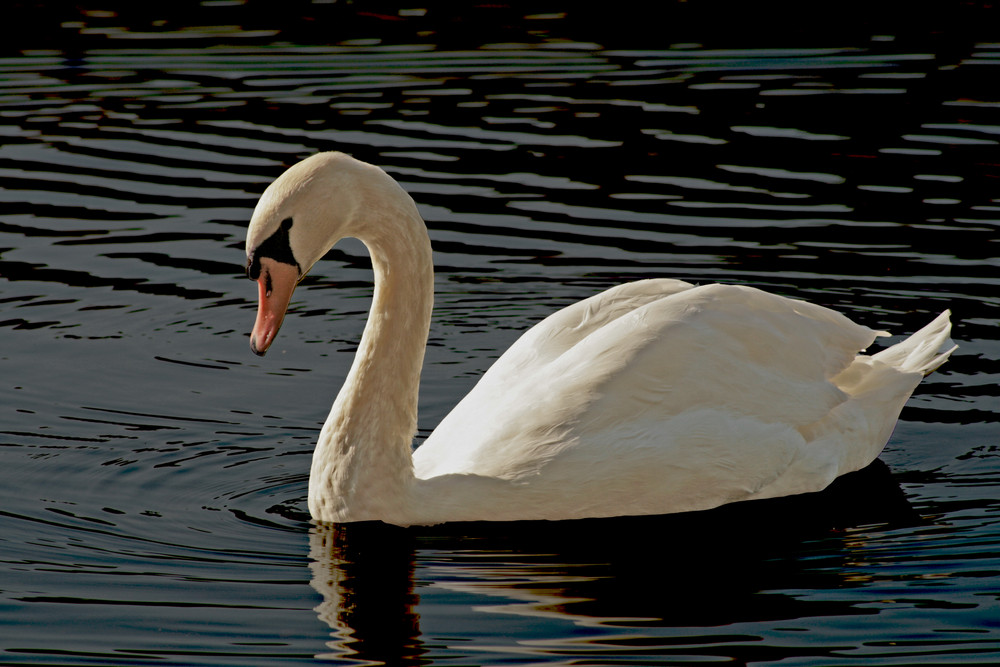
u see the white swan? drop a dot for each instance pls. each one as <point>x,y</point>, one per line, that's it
<point>652,397</point>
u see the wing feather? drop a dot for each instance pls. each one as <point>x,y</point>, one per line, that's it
<point>619,367</point>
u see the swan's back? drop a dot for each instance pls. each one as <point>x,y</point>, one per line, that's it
<point>658,396</point>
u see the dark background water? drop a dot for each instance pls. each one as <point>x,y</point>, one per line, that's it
<point>153,472</point>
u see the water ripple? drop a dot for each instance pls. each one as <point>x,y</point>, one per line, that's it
<point>155,472</point>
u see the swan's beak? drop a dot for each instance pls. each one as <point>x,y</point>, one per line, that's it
<point>275,285</point>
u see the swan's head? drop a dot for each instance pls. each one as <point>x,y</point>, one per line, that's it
<point>300,216</point>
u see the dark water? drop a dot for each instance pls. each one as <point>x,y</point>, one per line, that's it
<point>153,472</point>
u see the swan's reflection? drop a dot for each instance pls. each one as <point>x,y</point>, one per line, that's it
<point>365,574</point>
<point>703,569</point>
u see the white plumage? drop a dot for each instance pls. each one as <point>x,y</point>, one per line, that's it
<point>652,397</point>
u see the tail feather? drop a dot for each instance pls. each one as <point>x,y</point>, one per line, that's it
<point>925,350</point>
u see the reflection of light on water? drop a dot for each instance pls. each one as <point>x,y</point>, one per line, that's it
<point>531,592</point>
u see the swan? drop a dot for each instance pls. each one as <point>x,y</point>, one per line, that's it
<point>653,397</point>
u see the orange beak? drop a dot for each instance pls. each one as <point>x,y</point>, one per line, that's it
<point>275,285</point>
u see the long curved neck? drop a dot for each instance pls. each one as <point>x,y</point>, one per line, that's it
<point>363,468</point>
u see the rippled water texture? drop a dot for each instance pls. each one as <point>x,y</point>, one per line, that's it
<point>153,472</point>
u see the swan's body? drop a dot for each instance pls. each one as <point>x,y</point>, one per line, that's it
<point>652,397</point>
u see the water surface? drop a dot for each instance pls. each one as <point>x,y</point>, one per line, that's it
<point>154,472</point>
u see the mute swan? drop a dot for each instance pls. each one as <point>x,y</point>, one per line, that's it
<point>652,397</point>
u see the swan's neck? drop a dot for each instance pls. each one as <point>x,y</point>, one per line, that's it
<point>363,467</point>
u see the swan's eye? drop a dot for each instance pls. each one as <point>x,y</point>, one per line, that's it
<point>253,268</point>
<point>277,246</point>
